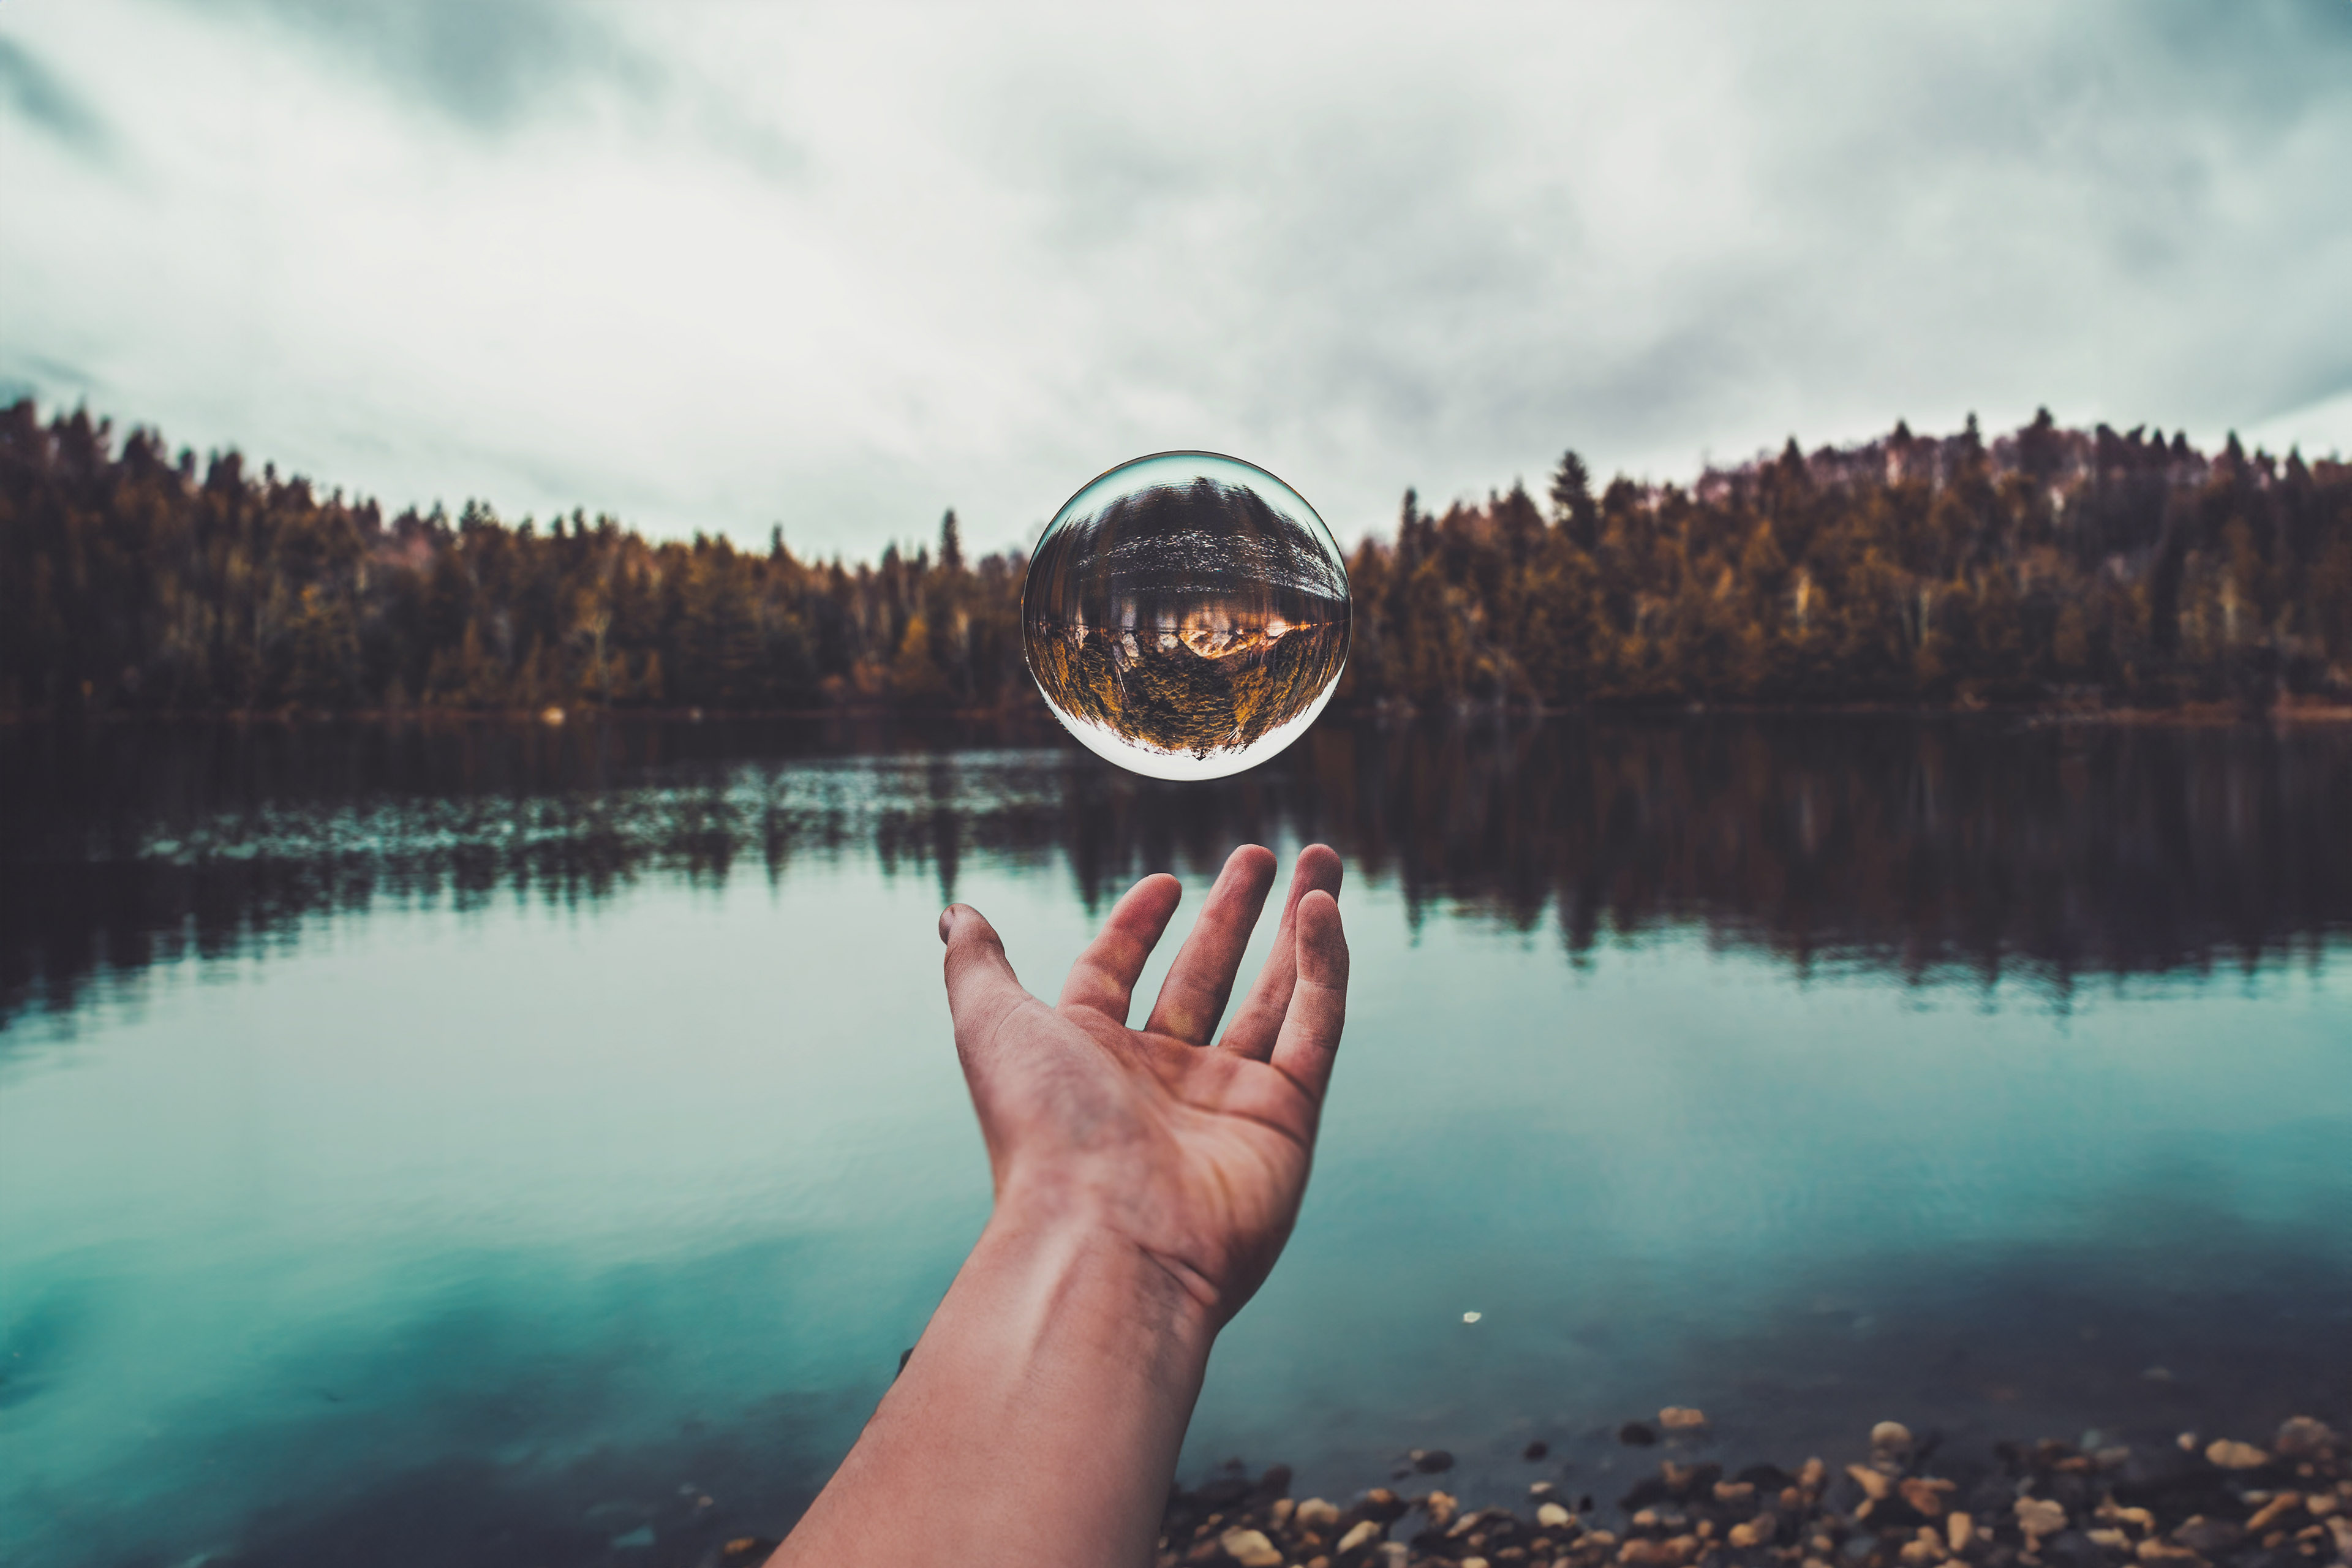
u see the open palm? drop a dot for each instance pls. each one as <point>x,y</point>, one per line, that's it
<point>1195,1154</point>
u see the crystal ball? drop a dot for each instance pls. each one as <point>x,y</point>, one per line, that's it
<point>1186,616</point>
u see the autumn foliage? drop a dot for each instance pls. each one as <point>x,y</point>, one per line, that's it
<point>2050,564</point>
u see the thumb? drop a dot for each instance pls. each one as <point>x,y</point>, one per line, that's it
<point>981,986</point>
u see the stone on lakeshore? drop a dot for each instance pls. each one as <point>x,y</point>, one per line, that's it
<point>2270,1513</point>
<point>1925,1495</point>
<point>1316,1514</point>
<point>1636,1435</point>
<point>2231,1454</point>
<point>1757,1532</point>
<point>1875,1487</point>
<point>2304,1438</point>
<point>1432,1461</point>
<point>1383,1505</point>
<point>2162,1554</point>
<point>1960,1532</point>
<point>1923,1553</point>
<point>746,1549</point>
<point>1890,1437</point>
<point>1814,1475</point>
<point>1391,1555</point>
<point>1536,1450</point>
<point>2341,1529</point>
<point>1250,1548</point>
<point>1682,1418</point>
<point>2038,1517</point>
<point>2208,1537</point>
<point>1440,1508</point>
<point>1365,1531</point>
<point>1472,1562</point>
<point>1551,1516</point>
<point>1728,1492</point>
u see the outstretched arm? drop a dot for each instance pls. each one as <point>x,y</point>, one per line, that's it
<point>1146,1180</point>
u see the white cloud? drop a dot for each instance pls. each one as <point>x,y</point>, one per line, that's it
<point>720,266</point>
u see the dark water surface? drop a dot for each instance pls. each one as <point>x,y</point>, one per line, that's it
<point>485,1144</point>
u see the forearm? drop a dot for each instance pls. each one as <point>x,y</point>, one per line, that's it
<point>1037,1421</point>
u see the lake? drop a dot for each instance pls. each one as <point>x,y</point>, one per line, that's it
<point>518,1144</point>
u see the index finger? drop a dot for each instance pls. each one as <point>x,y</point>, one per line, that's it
<point>1103,979</point>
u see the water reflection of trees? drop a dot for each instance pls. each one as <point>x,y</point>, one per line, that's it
<point>1916,846</point>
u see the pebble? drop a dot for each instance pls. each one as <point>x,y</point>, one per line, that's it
<point>1891,1438</point>
<point>1924,1495</point>
<point>1682,1418</point>
<point>1316,1514</point>
<point>2231,1454</point>
<point>2304,1438</point>
<point>2208,1537</point>
<point>1251,1549</point>
<point>2038,1517</point>
<point>1551,1516</point>
<point>2270,1513</point>
<point>1960,1532</point>
<point>1364,1530</point>
<point>1432,1461</point>
<point>1875,1487</point>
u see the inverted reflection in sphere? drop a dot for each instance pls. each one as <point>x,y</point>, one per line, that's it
<point>1186,614</point>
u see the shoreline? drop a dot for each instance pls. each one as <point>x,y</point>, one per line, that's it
<point>2187,715</point>
<point>2194,1502</point>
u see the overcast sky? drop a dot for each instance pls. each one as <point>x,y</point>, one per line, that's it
<point>720,266</point>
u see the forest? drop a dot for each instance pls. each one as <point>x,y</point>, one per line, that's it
<point>2045,567</point>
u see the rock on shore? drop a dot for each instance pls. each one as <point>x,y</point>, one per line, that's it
<point>2228,1504</point>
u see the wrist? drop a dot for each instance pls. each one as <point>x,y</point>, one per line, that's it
<point>1101,1286</point>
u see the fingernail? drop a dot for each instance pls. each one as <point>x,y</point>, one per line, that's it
<point>946,921</point>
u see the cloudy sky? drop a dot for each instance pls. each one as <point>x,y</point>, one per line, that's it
<point>720,265</point>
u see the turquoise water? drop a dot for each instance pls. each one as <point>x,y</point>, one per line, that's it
<point>508,1213</point>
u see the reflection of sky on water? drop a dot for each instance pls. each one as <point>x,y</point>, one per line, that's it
<point>445,1210</point>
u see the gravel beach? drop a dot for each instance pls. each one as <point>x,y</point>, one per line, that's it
<point>2195,1502</point>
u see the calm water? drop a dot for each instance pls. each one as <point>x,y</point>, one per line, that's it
<point>484,1145</point>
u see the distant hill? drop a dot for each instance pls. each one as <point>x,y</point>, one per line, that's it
<point>2046,565</point>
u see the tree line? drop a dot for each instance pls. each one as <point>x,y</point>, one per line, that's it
<point>2045,564</point>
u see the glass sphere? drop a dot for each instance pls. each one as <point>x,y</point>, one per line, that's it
<point>1186,616</point>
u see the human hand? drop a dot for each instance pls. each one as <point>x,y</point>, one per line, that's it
<point>1193,1155</point>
